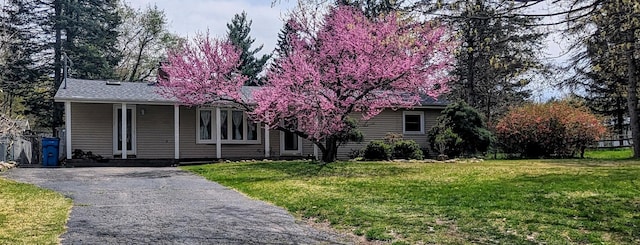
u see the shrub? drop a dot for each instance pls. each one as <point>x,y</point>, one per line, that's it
<point>444,139</point>
<point>377,150</point>
<point>392,138</point>
<point>460,130</point>
<point>407,149</point>
<point>551,129</point>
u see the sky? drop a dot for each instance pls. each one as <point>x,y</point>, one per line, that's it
<point>190,17</point>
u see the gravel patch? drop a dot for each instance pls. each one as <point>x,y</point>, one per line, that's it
<point>166,206</point>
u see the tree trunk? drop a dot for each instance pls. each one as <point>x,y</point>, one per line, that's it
<point>330,151</point>
<point>57,64</point>
<point>138,60</point>
<point>632,102</point>
<point>620,120</point>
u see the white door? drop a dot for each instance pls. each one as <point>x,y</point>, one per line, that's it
<point>131,130</point>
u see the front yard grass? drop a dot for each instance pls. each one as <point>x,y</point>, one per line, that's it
<point>584,201</point>
<point>31,215</point>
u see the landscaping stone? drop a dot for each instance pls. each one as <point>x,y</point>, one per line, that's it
<point>7,165</point>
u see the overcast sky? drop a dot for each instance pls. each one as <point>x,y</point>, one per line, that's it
<point>189,17</point>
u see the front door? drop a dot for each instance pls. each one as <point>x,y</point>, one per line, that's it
<point>131,130</point>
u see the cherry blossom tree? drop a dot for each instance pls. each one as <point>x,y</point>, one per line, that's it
<point>349,63</point>
<point>339,65</point>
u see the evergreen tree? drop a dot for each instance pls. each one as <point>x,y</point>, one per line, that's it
<point>607,66</point>
<point>86,31</point>
<point>604,87</point>
<point>238,33</point>
<point>22,53</point>
<point>498,49</point>
<point>283,45</point>
<point>90,37</point>
<point>374,8</point>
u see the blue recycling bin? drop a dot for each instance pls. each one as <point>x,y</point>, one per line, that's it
<point>50,147</point>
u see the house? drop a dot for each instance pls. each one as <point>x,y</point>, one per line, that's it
<point>160,128</point>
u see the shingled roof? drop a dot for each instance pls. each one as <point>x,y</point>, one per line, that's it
<point>101,91</point>
<point>79,90</point>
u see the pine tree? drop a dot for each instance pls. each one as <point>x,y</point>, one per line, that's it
<point>90,37</point>
<point>607,66</point>
<point>497,48</point>
<point>283,44</point>
<point>22,53</point>
<point>238,33</point>
<point>374,8</point>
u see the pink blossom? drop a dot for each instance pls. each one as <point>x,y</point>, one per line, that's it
<point>354,64</point>
<point>203,72</point>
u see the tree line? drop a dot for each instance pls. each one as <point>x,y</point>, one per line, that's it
<point>94,39</point>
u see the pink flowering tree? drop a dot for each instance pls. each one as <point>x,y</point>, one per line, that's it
<point>204,71</point>
<point>350,64</point>
<point>339,65</point>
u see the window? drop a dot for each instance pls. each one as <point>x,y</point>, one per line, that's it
<point>413,122</point>
<point>235,128</point>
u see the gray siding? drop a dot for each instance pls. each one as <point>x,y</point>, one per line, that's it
<point>388,121</point>
<point>92,128</point>
<point>189,148</point>
<point>154,131</point>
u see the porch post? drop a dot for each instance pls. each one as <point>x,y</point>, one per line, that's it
<point>315,151</point>
<point>176,131</point>
<point>124,131</point>
<point>267,142</point>
<point>67,125</point>
<point>218,134</point>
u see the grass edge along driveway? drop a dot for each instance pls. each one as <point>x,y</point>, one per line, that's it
<point>31,215</point>
<point>500,201</point>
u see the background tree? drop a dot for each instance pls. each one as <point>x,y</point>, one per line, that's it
<point>605,88</point>
<point>86,31</point>
<point>497,56</point>
<point>374,8</point>
<point>90,37</point>
<point>24,59</point>
<point>238,33</point>
<point>611,30</point>
<point>351,64</point>
<point>142,41</point>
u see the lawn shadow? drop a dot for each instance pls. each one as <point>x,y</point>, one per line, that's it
<point>335,169</point>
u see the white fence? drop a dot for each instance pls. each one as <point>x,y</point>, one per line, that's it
<point>23,150</point>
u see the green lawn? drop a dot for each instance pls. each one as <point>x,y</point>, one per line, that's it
<point>31,215</point>
<point>584,201</point>
<point>613,154</point>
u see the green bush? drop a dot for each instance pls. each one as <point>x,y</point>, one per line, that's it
<point>460,131</point>
<point>377,150</point>
<point>407,149</point>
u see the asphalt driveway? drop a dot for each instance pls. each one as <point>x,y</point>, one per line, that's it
<point>165,206</point>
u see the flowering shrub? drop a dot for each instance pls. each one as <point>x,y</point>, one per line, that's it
<point>551,129</point>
